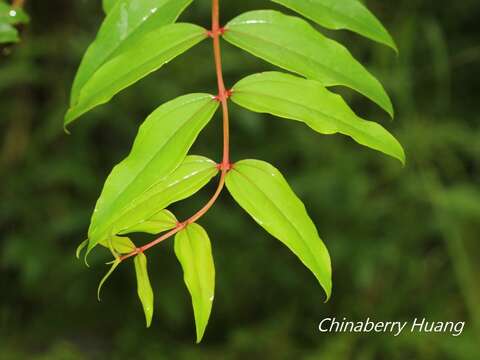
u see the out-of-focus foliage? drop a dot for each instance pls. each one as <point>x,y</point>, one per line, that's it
<point>404,242</point>
<point>11,16</point>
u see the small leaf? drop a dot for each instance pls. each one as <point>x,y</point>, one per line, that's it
<point>115,264</point>
<point>291,43</point>
<point>123,26</point>
<point>193,250</point>
<point>160,147</point>
<point>291,97</point>
<point>161,221</point>
<point>144,288</point>
<point>264,194</point>
<point>147,54</point>
<point>80,247</point>
<point>345,14</point>
<point>120,244</point>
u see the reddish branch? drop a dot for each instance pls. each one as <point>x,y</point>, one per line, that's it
<point>223,95</point>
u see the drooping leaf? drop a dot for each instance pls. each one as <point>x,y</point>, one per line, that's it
<point>193,250</point>
<point>291,43</point>
<point>342,14</point>
<point>161,221</point>
<point>108,5</point>
<point>114,264</point>
<point>144,288</point>
<point>295,98</point>
<point>147,54</point>
<point>159,148</point>
<point>80,247</point>
<point>264,194</point>
<point>123,26</point>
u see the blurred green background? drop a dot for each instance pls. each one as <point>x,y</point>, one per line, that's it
<point>404,241</point>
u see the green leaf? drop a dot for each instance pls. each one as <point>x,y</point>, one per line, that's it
<point>144,288</point>
<point>115,264</point>
<point>12,15</point>
<point>291,43</point>
<point>141,58</point>
<point>159,148</point>
<point>123,26</point>
<point>193,250</point>
<point>161,221</point>
<point>141,214</point>
<point>345,14</point>
<point>295,98</point>
<point>263,193</point>
<point>108,5</point>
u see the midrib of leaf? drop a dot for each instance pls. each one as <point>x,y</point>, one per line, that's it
<point>93,94</point>
<point>168,140</point>
<point>318,112</point>
<point>287,220</point>
<point>343,78</point>
<point>197,272</point>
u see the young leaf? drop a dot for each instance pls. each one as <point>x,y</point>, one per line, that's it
<point>264,194</point>
<point>144,288</point>
<point>193,250</point>
<point>161,221</point>
<point>115,264</point>
<point>345,14</point>
<point>80,248</point>
<point>147,54</point>
<point>159,148</point>
<point>291,43</point>
<point>119,244</point>
<point>308,101</point>
<point>123,26</point>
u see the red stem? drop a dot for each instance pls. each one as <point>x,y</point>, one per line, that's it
<point>225,165</point>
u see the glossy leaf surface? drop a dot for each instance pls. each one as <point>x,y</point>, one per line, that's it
<point>142,57</point>
<point>295,98</point>
<point>124,25</point>
<point>342,14</point>
<point>193,250</point>
<point>291,43</point>
<point>138,182</point>
<point>264,194</point>
<point>144,288</point>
